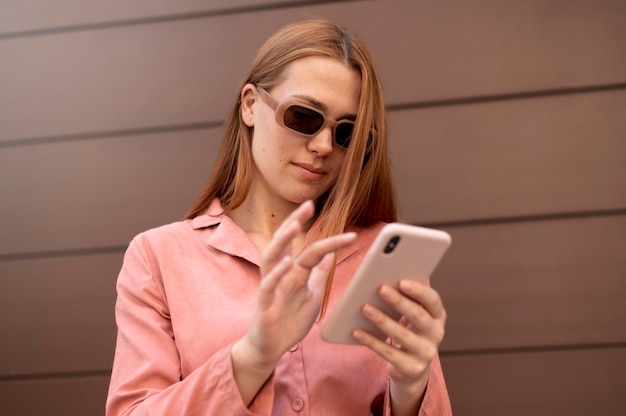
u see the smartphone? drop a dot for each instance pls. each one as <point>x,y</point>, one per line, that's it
<point>399,251</point>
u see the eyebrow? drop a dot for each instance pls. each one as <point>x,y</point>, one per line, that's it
<point>323,107</point>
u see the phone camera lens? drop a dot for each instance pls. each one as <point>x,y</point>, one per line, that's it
<point>391,245</point>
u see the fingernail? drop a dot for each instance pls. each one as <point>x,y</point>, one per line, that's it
<point>369,311</point>
<point>407,285</point>
<point>386,292</point>
<point>358,335</point>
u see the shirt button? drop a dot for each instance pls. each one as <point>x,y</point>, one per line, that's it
<point>297,405</point>
<point>294,348</point>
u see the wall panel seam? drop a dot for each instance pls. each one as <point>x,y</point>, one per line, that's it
<point>55,376</point>
<point>89,251</point>
<point>532,349</point>
<point>556,216</point>
<point>227,11</point>
<point>111,134</point>
<point>443,354</point>
<point>79,252</point>
<point>511,96</point>
<point>30,141</point>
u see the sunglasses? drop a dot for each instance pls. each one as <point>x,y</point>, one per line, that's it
<point>306,120</point>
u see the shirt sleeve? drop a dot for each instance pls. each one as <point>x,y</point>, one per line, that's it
<point>146,377</point>
<point>436,400</point>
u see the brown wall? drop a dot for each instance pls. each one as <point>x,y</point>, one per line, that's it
<point>508,130</point>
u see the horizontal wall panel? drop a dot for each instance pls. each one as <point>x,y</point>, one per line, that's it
<point>54,397</point>
<point>541,384</point>
<point>58,314</point>
<point>544,283</point>
<point>185,71</point>
<point>504,286</point>
<point>511,158</point>
<point>99,192</point>
<point>573,383</point>
<point>34,15</point>
<point>503,159</point>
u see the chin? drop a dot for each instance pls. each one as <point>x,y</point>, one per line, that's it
<point>304,195</point>
<point>299,199</point>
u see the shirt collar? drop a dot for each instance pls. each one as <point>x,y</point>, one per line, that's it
<point>212,216</point>
<point>225,235</point>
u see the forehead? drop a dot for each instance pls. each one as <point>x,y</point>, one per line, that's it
<point>325,82</point>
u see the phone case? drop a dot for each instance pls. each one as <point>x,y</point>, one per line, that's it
<point>399,251</point>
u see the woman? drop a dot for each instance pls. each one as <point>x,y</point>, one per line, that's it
<point>220,313</point>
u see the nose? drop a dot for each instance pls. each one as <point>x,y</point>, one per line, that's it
<point>322,142</point>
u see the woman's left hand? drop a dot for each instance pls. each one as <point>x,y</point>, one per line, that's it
<point>415,339</point>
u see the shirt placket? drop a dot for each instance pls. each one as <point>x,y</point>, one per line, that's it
<point>295,400</point>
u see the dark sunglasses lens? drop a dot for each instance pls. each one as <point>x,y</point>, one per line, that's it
<point>303,120</point>
<point>343,133</point>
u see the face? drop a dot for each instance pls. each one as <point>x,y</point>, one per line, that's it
<point>291,167</point>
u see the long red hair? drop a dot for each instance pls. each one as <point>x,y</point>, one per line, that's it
<point>363,194</point>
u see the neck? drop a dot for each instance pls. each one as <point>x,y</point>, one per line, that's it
<point>260,219</point>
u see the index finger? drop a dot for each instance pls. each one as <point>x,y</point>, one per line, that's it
<point>314,254</point>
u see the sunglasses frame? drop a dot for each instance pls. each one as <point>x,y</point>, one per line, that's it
<point>281,108</point>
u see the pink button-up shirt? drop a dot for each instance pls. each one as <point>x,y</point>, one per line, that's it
<point>188,290</point>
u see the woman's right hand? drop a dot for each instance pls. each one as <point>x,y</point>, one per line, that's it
<point>290,297</point>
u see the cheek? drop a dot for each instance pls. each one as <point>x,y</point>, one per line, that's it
<point>267,148</point>
<point>339,161</point>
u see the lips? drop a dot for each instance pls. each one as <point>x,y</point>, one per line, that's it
<point>311,168</point>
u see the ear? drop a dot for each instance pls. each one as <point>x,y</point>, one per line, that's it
<point>249,97</point>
